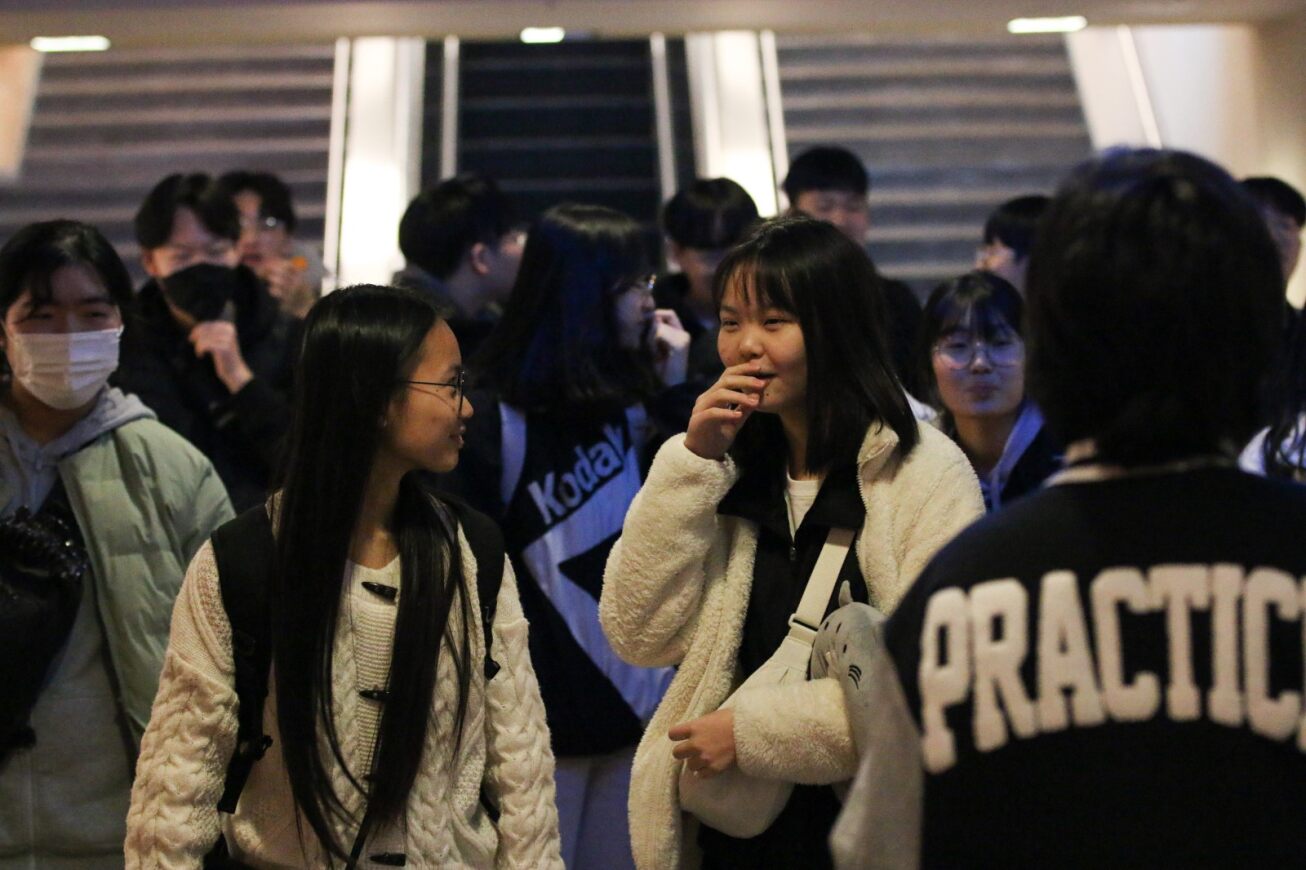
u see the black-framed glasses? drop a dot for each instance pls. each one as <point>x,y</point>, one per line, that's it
<point>459,384</point>
<point>959,351</point>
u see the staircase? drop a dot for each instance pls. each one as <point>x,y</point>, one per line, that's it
<point>947,127</point>
<point>108,126</point>
<point>572,121</point>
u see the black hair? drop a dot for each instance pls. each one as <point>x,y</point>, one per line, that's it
<point>274,195</point>
<point>826,167</point>
<point>359,344</point>
<point>557,342</point>
<point>1013,223</point>
<point>1154,308</point>
<point>711,213</point>
<point>442,224</point>
<point>210,202</point>
<point>810,269</point>
<point>1284,451</point>
<point>1277,194</point>
<point>980,302</point>
<point>33,254</point>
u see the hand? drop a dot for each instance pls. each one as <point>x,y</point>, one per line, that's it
<point>218,340</point>
<point>722,410</point>
<point>670,345</point>
<point>707,744</point>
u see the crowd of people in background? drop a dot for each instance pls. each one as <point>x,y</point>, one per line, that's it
<point>521,534</point>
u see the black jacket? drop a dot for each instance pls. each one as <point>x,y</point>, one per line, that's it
<point>241,434</point>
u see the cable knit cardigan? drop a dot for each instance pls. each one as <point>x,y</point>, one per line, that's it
<point>676,592</point>
<point>173,819</point>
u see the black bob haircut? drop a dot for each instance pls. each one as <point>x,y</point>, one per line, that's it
<point>826,167</point>
<point>812,270</point>
<point>980,303</point>
<point>273,193</point>
<point>1013,223</point>
<point>557,343</point>
<point>1277,194</point>
<point>442,224</point>
<point>1154,308</point>
<point>33,254</point>
<point>711,213</point>
<point>210,202</point>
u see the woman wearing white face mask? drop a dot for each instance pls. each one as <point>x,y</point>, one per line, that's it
<point>137,501</point>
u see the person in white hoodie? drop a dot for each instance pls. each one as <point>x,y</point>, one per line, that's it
<point>142,499</point>
<point>807,430</point>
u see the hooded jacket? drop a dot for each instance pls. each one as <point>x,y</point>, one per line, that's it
<point>676,592</point>
<point>144,500</point>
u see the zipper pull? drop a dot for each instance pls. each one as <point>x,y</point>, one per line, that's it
<point>793,553</point>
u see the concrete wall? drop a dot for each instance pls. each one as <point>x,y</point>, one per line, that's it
<point>20,69</point>
<point>1233,93</point>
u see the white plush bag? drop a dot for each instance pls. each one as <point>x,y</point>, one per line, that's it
<point>733,802</point>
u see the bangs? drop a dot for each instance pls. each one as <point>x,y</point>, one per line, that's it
<point>980,317</point>
<point>757,285</point>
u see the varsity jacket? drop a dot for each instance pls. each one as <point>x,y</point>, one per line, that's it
<point>676,591</point>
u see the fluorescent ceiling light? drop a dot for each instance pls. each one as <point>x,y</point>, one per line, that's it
<point>70,43</point>
<point>538,35</point>
<point>1068,24</point>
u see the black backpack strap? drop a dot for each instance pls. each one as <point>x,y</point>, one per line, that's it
<point>244,551</point>
<point>487,545</point>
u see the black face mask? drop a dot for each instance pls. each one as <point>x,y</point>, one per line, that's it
<point>202,290</point>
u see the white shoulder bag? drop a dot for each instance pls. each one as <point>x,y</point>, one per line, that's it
<point>733,802</point>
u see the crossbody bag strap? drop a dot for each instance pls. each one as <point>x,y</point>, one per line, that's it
<point>806,620</point>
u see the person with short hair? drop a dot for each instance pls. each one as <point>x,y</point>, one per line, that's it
<point>972,359</point>
<point>292,270</point>
<point>830,183</point>
<point>463,250</point>
<point>136,502</point>
<point>210,352</point>
<point>1108,673</point>
<point>1008,236</point>
<point>701,222</point>
<point>1284,209</point>
<point>807,430</point>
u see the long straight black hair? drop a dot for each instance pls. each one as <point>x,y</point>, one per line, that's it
<point>810,269</point>
<point>557,344</point>
<point>359,343</point>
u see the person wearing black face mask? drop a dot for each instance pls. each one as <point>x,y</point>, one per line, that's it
<point>210,351</point>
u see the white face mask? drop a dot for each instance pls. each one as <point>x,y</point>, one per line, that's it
<point>64,369</point>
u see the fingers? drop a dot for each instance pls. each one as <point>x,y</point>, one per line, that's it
<point>683,731</point>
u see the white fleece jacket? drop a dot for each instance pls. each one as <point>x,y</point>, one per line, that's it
<point>173,819</point>
<point>676,592</point>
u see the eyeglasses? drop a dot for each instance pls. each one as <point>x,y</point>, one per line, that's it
<point>959,352</point>
<point>459,385</point>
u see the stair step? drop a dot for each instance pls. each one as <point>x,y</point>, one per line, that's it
<point>933,98</point>
<point>189,114</point>
<point>927,68</point>
<point>944,129</point>
<point>256,84</point>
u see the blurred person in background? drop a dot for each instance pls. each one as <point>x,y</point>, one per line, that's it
<point>210,351</point>
<point>292,270</point>
<point>830,183</point>
<point>566,421</point>
<point>462,250</point>
<point>972,358</point>
<point>701,222</point>
<point>135,502</point>
<point>1284,210</point>
<point>1008,236</point>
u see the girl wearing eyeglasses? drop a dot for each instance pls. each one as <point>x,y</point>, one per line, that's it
<point>973,362</point>
<point>391,744</point>
<point>578,379</point>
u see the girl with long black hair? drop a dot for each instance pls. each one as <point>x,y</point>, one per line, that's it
<point>808,430</point>
<point>574,379</point>
<point>378,706</point>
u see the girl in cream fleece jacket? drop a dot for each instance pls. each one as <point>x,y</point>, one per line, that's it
<point>679,581</point>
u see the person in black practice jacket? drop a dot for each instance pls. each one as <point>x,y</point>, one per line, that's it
<point>1108,673</point>
<point>210,352</point>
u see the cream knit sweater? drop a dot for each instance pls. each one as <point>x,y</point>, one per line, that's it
<point>676,591</point>
<point>173,821</point>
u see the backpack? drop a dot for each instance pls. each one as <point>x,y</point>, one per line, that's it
<point>244,551</point>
